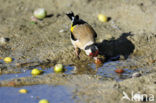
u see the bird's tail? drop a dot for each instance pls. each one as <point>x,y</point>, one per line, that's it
<point>72,17</point>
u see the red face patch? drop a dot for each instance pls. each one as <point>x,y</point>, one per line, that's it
<point>94,54</point>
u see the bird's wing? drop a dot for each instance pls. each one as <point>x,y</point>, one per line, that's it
<point>72,37</point>
<point>84,32</point>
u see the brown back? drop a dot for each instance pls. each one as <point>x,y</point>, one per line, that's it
<point>84,33</point>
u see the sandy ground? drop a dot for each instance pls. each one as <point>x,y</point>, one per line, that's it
<point>130,33</point>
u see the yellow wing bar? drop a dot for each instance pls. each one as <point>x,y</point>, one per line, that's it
<point>72,28</point>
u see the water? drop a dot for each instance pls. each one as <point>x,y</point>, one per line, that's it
<point>106,70</point>
<point>59,94</point>
<point>54,94</point>
<point>26,73</point>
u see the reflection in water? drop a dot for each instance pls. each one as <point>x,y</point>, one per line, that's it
<point>105,70</point>
<point>84,69</point>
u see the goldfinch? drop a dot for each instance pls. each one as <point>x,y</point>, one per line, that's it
<point>82,36</point>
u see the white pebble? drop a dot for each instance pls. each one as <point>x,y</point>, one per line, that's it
<point>136,74</point>
<point>61,31</point>
<point>3,40</point>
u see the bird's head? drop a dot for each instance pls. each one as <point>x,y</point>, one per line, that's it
<point>92,50</point>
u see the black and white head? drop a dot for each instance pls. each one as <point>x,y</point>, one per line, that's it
<point>92,50</point>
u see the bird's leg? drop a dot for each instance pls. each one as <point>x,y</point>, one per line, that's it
<point>77,51</point>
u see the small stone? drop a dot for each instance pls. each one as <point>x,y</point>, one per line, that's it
<point>4,40</point>
<point>119,71</point>
<point>61,31</point>
<point>136,74</point>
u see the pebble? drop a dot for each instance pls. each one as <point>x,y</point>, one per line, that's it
<point>4,40</point>
<point>119,71</point>
<point>61,31</point>
<point>136,74</point>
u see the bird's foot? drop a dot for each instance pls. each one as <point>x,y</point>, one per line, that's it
<point>77,52</point>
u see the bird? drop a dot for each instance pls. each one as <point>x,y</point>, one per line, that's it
<point>82,36</point>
